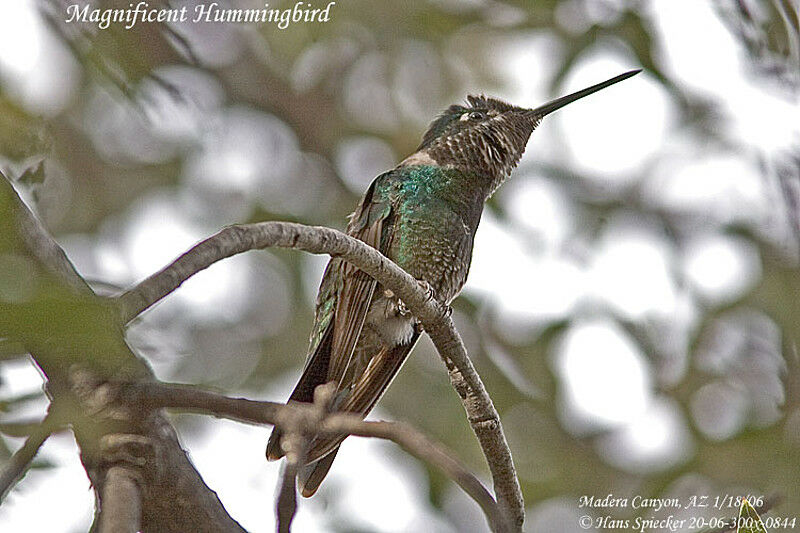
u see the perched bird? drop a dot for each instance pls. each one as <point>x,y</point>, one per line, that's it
<point>423,215</point>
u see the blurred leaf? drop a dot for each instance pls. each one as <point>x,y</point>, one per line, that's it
<point>23,137</point>
<point>10,404</point>
<point>749,521</point>
<point>11,350</point>
<point>42,464</point>
<point>310,77</point>
<point>5,452</point>
<point>769,30</point>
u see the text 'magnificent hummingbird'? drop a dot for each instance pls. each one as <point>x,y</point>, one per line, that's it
<point>423,215</point>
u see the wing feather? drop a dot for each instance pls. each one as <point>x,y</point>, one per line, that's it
<point>349,291</point>
<point>352,306</point>
<point>366,392</point>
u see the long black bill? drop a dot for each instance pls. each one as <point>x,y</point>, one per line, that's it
<point>558,103</point>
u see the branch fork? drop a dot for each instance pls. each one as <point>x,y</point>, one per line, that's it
<point>129,501</point>
<point>434,317</point>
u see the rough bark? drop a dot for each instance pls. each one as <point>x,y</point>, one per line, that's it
<point>76,339</point>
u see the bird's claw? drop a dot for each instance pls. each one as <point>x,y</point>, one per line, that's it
<point>430,292</point>
<point>402,310</point>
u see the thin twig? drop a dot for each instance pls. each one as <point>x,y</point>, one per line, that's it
<point>425,449</point>
<point>39,242</point>
<point>481,413</point>
<point>20,429</point>
<point>286,506</point>
<point>190,399</point>
<point>295,443</point>
<point>21,460</point>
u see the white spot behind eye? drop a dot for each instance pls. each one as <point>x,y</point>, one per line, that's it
<point>464,117</point>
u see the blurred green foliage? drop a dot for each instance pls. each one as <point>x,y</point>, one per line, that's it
<point>318,79</point>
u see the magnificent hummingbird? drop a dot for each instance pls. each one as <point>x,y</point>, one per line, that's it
<point>423,215</point>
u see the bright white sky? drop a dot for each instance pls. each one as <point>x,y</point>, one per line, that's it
<point>611,135</point>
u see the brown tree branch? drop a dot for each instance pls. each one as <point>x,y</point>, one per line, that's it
<point>295,444</point>
<point>482,415</point>
<point>64,325</point>
<point>20,462</point>
<point>308,419</point>
<point>38,242</point>
<point>122,503</point>
<point>24,429</point>
<point>186,485</point>
<point>286,506</point>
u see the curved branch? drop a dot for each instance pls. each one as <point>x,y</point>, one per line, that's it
<point>307,417</point>
<point>481,413</point>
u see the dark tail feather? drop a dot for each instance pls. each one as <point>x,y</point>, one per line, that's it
<point>274,451</point>
<point>315,373</point>
<point>359,400</point>
<point>310,476</point>
<point>366,392</point>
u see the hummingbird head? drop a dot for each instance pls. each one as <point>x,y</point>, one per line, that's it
<point>487,136</point>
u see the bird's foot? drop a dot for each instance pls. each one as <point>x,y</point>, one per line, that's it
<point>398,308</point>
<point>402,310</point>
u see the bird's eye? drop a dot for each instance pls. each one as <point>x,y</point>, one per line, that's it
<point>477,115</point>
